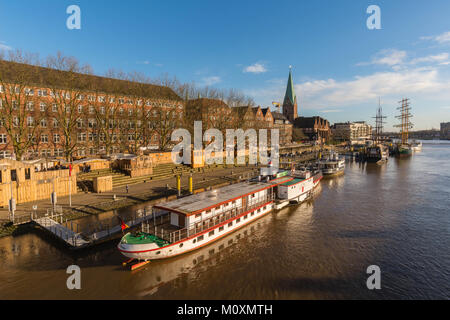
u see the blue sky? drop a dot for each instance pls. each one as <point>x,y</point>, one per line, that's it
<point>340,67</point>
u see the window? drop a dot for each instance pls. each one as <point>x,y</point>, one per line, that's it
<point>91,109</point>
<point>80,109</point>
<point>44,138</point>
<point>198,215</point>
<point>13,175</point>
<point>44,123</point>
<point>246,216</point>
<point>221,228</point>
<point>30,106</point>
<point>56,138</point>
<point>101,99</point>
<point>30,121</point>
<point>253,212</point>
<point>200,238</point>
<point>238,220</point>
<point>55,123</point>
<point>81,137</point>
<point>42,107</point>
<point>230,224</point>
<point>211,233</point>
<point>3,139</point>
<point>55,107</point>
<point>27,173</point>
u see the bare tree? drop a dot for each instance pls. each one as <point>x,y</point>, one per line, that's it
<point>68,87</point>
<point>21,109</point>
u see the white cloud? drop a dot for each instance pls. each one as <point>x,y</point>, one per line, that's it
<point>367,88</point>
<point>442,58</point>
<point>389,57</point>
<point>209,81</point>
<point>255,68</point>
<point>442,38</point>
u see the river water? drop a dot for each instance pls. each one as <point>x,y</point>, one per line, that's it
<point>395,216</point>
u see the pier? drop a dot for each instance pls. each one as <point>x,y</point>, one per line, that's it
<point>78,237</point>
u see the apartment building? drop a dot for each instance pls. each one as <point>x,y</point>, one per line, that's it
<point>52,113</point>
<point>354,132</point>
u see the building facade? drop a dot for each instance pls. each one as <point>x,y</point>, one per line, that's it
<point>354,132</point>
<point>47,113</point>
<point>445,131</point>
<point>315,128</point>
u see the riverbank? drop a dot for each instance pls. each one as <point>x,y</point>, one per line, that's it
<point>151,192</point>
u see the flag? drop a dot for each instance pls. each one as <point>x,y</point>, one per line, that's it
<point>123,225</point>
<point>70,170</point>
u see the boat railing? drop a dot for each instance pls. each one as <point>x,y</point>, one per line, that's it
<point>200,226</point>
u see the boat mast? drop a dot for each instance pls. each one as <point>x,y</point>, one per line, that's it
<point>379,122</point>
<point>405,116</point>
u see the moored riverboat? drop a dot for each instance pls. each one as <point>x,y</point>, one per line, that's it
<point>194,221</point>
<point>333,165</point>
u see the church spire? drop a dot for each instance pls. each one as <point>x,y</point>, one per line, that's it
<point>290,93</point>
<point>290,100</point>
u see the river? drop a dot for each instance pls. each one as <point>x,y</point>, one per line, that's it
<point>395,216</point>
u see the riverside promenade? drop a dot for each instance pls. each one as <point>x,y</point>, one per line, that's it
<point>95,203</point>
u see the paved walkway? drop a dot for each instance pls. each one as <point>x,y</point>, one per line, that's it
<point>139,192</point>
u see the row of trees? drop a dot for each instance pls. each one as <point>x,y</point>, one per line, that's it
<point>75,108</point>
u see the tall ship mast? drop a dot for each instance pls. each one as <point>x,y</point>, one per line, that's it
<point>404,149</point>
<point>379,123</point>
<point>377,152</point>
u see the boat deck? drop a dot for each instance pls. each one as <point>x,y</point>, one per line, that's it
<point>207,199</point>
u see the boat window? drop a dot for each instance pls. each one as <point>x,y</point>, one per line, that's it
<point>211,233</point>
<point>181,244</point>
<point>230,224</point>
<point>198,215</point>
<point>221,228</point>
<point>246,216</point>
<point>200,238</point>
<point>158,252</point>
<point>259,210</point>
<point>253,213</point>
<point>194,241</point>
<point>238,220</point>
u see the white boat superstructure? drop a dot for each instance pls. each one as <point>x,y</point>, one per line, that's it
<point>416,146</point>
<point>333,165</point>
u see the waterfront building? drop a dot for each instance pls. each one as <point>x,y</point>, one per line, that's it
<point>48,113</point>
<point>353,132</point>
<point>315,128</point>
<point>445,131</point>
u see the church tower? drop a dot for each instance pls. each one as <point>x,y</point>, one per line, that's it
<point>290,100</point>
